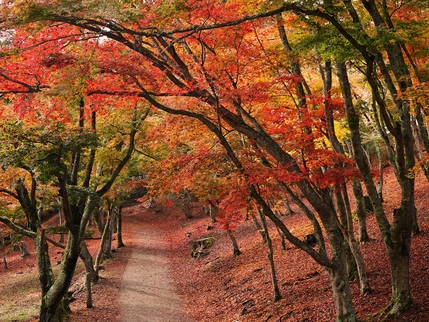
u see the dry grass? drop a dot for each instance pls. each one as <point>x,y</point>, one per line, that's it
<point>19,296</point>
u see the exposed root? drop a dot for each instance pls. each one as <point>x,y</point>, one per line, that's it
<point>365,291</point>
<point>391,311</point>
<point>396,309</point>
<point>381,313</point>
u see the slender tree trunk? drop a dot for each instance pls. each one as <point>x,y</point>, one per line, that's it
<point>282,238</point>
<point>100,253</point>
<point>288,209</point>
<point>111,224</point>
<point>88,261</point>
<point>259,228</point>
<point>88,288</point>
<point>97,218</point>
<point>276,291</point>
<point>60,217</point>
<point>4,252</point>
<point>236,250</point>
<point>24,252</point>
<point>338,274</point>
<point>380,170</point>
<point>120,241</point>
<point>360,211</point>
<point>352,271</point>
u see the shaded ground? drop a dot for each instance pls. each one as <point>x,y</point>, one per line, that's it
<point>219,287</point>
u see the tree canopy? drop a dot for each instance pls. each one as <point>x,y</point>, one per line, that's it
<point>244,102</point>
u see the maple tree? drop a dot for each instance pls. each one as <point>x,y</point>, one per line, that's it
<point>231,67</point>
<point>55,149</point>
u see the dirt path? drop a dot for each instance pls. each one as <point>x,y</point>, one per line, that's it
<point>147,292</point>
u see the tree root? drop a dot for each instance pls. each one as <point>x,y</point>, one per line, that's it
<point>392,309</point>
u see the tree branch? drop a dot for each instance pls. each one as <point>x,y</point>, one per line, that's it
<point>17,228</point>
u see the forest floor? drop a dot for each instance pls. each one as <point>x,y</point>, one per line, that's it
<point>219,287</point>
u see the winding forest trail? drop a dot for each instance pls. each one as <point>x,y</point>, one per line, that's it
<point>147,293</point>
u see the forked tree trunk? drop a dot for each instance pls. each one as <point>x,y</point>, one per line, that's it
<point>351,262</point>
<point>356,264</point>
<point>365,288</point>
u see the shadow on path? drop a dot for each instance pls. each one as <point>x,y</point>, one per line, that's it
<point>147,293</point>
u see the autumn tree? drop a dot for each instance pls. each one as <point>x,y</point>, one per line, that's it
<point>219,82</point>
<point>50,143</point>
<point>218,63</point>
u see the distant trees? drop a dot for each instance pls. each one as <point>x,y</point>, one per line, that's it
<point>285,89</point>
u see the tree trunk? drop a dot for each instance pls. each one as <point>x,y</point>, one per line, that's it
<point>97,218</point>
<point>4,253</point>
<point>401,296</point>
<point>112,221</point>
<point>355,262</point>
<point>276,291</point>
<point>88,288</point>
<point>360,211</point>
<point>288,210</point>
<point>282,238</point>
<point>399,259</point>
<point>111,224</point>
<point>236,250</point>
<point>100,253</point>
<point>24,252</point>
<point>342,295</point>
<point>380,170</point>
<point>259,228</point>
<point>119,221</point>
<point>365,288</point>
<point>46,276</point>
<point>60,217</point>
<point>352,270</point>
<point>51,305</point>
<point>396,237</point>
<point>88,261</point>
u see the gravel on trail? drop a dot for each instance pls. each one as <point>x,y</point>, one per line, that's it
<point>147,293</point>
